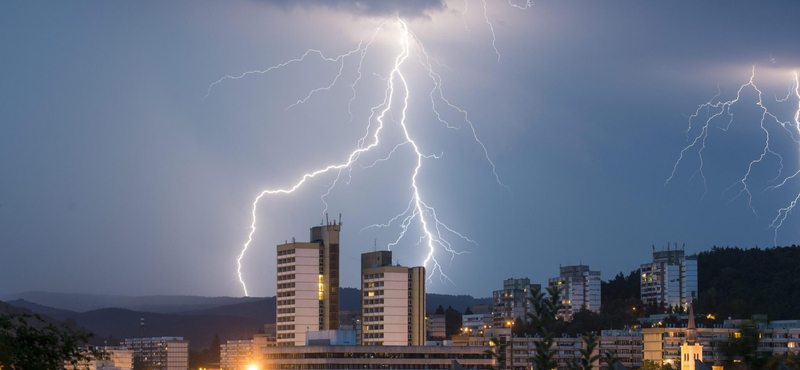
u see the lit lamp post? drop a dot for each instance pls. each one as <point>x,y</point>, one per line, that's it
<point>510,324</point>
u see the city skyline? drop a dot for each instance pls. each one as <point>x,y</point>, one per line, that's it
<point>125,161</point>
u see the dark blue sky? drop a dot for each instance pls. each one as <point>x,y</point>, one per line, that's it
<point>118,177</point>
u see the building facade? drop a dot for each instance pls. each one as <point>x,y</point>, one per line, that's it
<point>237,354</point>
<point>476,322</point>
<point>376,357</point>
<point>580,288</point>
<point>670,280</point>
<point>622,344</point>
<point>159,353</point>
<point>119,358</point>
<point>664,344</point>
<point>512,301</point>
<point>435,324</point>
<point>392,303</point>
<point>308,286</point>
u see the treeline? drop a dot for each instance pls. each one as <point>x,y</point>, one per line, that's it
<point>740,282</point>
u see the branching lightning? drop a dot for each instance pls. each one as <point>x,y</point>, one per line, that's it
<point>717,109</point>
<point>418,211</point>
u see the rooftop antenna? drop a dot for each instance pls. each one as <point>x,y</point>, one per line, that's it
<point>327,222</point>
<point>141,327</point>
<point>375,247</point>
<point>340,219</point>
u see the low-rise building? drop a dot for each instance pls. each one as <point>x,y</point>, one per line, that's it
<point>118,359</point>
<point>237,354</point>
<point>476,322</point>
<point>623,344</point>
<point>376,357</point>
<point>436,327</point>
<point>663,344</point>
<point>159,353</point>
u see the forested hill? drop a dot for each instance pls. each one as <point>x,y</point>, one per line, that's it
<point>740,282</point>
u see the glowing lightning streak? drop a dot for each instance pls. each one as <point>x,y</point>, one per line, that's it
<point>491,28</point>
<point>724,108</point>
<point>351,158</point>
<point>429,222</point>
<point>522,7</point>
<point>777,222</point>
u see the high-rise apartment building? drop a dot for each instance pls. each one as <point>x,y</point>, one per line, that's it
<point>512,301</point>
<point>670,280</point>
<point>160,353</point>
<point>392,302</point>
<point>580,288</point>
<point>308,285</point>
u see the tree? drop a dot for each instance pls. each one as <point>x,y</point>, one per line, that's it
<point>744,346</point>
<point>499,354</point>
<point>452,321</point>
<point>31,343</point>
<point>588,359</point>
<point>468,311</point>
<point>544,320</point>
<point>439,311</point>
<point>213,350</point>
<point>654,365</point>
<point>790,359</point>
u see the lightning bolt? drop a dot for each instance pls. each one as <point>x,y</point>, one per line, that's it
<point>418,212</point>
<point>719,108</point>
<point>491,28</point>
<point>777,222</point>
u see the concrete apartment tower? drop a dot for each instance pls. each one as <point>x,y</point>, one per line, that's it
<point>512,301</point>
<point>670,280</point>
<point>392,302</point>
<point>308,285</point>
<point>580,288</point>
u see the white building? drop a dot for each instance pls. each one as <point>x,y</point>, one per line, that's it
<point>580,288</point>
<point>118,359</point>
<point>476,323</point>
<point>238,355</point>
<point>435,325</point>
<point>392,303</point>
<point>670,280</point>
<point>512,301</point>
<point>308,286</point>
<point>160,353</point>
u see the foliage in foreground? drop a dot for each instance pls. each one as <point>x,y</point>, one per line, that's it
<point>29,342</point>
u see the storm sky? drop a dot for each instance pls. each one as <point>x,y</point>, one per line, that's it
<point>118,175</point>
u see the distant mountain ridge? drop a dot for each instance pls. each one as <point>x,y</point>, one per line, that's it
<point>350,300</point>
<point>195,318</point>
<point>80,302</point>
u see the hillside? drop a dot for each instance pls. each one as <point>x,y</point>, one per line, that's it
<point>119,323</point>
<point>157,303</point>
<point>740,282</point>
<point>262,310</point>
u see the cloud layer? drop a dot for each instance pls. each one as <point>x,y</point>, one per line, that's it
<point>404,8</point>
